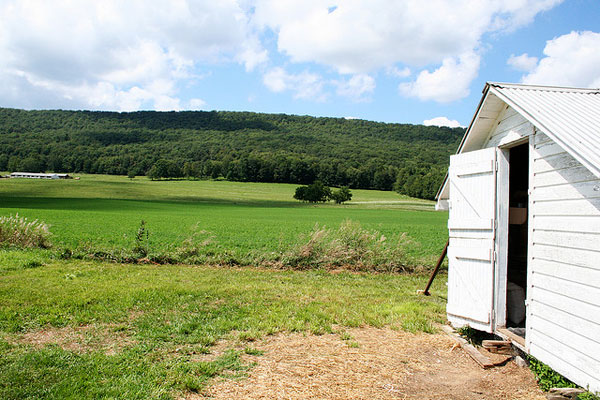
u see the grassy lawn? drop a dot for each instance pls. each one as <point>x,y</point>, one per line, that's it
<point>79,328</point>
<point>239,221</point>
<point>140,330</point>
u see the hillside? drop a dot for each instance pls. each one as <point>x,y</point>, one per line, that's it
<point>239,146</point>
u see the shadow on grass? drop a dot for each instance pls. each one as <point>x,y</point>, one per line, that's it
<point>65,203</point>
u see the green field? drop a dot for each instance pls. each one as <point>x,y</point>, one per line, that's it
<point>241,221</point>
<point>81,328</point>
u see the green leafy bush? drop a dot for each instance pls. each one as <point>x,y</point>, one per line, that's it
<point>341,195</point>
<point>20,232</point>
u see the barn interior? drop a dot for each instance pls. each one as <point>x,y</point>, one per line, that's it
<point>517,239</point>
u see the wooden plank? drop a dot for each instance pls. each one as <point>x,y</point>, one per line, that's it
<point>512,337</point>
<point>566,223</point>
<point>574,290</point>
<point>471,253</point>
<point>575,307</point>
<point>568,239</point>
<point>558,177</point>
<point>589,276</point>
<point>472,168</point>
<point>584,258</point>
<point>567,207</point>
<point>561,330</point>
<point>581,190</point>
<point>560,161</point>
<point>547,150</point>
<point>471,224</point>
<point>479,358</point>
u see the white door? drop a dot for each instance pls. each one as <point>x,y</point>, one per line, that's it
<point>471,226</point>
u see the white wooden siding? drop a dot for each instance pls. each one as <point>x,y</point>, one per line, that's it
<point>509,126</point>
<point>563,314</point>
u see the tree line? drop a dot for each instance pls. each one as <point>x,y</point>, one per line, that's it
<point>237,146</point>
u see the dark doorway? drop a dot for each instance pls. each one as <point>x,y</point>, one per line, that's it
<point>516,291</point>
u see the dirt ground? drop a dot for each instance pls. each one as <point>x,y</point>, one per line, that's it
<point>370,363</point>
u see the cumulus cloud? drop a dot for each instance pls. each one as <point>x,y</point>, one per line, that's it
<point>447,83</point>
<point>305,85</point>
<point>114,54</point>
<point>357,88</point>
<point>121,55</point>
<point>357,37</point>
<point>570,60</point>
<point>522,62</point>
<point>442,121</point>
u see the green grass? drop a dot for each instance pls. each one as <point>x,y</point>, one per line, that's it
<point>141,331</point>
<point>244,221</point>
<point>167,315</point>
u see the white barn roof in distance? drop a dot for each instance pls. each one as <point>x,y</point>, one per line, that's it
<point>569,116</point>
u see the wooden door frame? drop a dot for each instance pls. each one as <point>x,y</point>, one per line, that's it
<point>501,239</point>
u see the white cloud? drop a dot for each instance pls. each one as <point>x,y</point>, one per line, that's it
<point>522,62</point>
<point>305,85</point>
<point>447,83</point>
<point>357,88</point>
<point>114,54</point>
<point>196,104</point>
<point>442,121</point>
<point>570,60</point>
<point>359,37</point>
<point>399,73</point>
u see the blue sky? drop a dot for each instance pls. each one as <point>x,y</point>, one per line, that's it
<point>406,61</point>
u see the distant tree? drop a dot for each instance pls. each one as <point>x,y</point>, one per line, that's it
<point>165,169</point>
<point>316,192</point>
<point>341,195</point>
<point>31,164</point>
<point>131,173</point>
<point>3,162</point>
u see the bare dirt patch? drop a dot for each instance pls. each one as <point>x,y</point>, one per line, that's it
<point>387,364</point>
<point>108,339</point>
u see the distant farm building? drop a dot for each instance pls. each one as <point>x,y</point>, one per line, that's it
<point>35,175</point>
<point>523,193</point>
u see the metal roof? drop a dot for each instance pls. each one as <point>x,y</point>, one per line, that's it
<point>569,116</point>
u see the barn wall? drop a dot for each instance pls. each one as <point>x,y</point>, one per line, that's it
<point>563,320</point>
<point>510,126</point>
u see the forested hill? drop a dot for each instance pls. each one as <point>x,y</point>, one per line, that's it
<point>239,146</point>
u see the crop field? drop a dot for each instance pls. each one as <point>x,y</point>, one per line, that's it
<point>74,328</point>
<point>240,222</point>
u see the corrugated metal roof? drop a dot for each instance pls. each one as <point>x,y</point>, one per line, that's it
<point>570,116</point>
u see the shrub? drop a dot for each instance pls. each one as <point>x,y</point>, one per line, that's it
<point>20,232</point>
<point>341,195</point>
<point>350,246</point>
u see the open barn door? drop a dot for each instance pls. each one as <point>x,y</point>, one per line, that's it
<point>471,226</point>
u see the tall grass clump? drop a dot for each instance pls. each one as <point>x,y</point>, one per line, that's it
<point>20,232</point>
<point>349,247</point>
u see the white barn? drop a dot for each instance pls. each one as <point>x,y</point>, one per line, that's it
<point>523,192</point>
<point>37,175</point>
